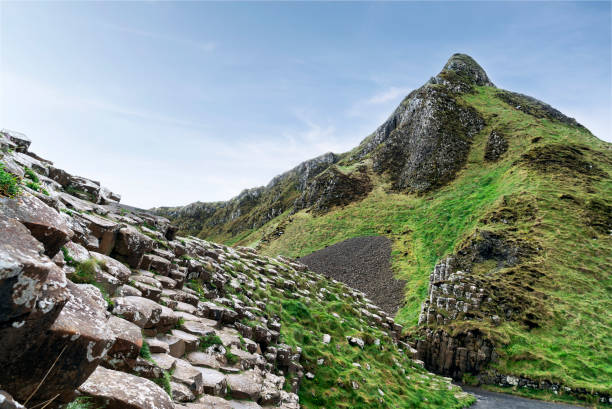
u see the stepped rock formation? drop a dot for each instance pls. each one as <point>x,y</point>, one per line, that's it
<point>490,197</point>
<point>103,301</point>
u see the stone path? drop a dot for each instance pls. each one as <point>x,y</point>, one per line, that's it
<point>493,400</point>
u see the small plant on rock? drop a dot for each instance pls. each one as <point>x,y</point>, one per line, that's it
<point>30,174</point>
<point>231,358</point>
<point>209,340</point>
<point>81,402</point>
<point>9,184</point>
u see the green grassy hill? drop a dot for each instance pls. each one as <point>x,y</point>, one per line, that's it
<point>526,212</point>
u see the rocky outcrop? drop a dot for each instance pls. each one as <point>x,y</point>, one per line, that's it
<point>497,145</point>
<point>252,208</point>
<point>535,107</point>
<point>182,321</point>
<point>454,355</point>
<point>118,390</point>
<point>333,188</point>
<point>430,142</point>
<point>422,145</point>
<point>44,223</point>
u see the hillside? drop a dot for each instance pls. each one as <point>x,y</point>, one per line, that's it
<point>500,212</point>
<point>104,306</point>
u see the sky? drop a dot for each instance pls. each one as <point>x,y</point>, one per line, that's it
<point>167,103</point>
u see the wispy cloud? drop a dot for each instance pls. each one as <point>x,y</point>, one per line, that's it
<point>29,91</point>
<point>390,94</point>
<point>206,46</point>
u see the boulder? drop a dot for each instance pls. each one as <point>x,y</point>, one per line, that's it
<point>77,252</point>
<point>246,385</point>
<point>181,393</point>
<point>113,267</point>
<point>32,293</point>
<point>104,230</point>
<point>188,375</point>
<point>131,245</point>
<point>175,344</point>
<point>126,346</point>
<point>7,402</point>
<point>107,388</point>
<point>127,290</point>
<point>141,311</point>
<point>214,382</point>
<point>44,222</point>
<point>156,263</point>
<point>71,348</point>
<point>20,141</point>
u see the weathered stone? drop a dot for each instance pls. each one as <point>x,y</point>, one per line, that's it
<point>32,295</point>
<point>198,328</point>
<point>167,320</point>
<point>131,245</point>
<point>127,290</point>
<point>213,381</point>
<point>126,347</point>
<point>21,141</point>
<point>7,402</point>
<point>181,393</point>
<point>141,311</point>
<point>246,385</point>
<point>156,263</point>
<point>105,231</point>
<point>45,224</point>
<point>271,388</point>
<point>175,344</point>
<point>108,389</point>
<point>148,291</point>
<point>113,267</point>
<point>164,361</point>
<point>78,339</point>
<point>210,402</point>
<point>191,341</point>
<point>147,369</point>
<point>77,252</point>
<point>188,375</point>
<point>209,360</point>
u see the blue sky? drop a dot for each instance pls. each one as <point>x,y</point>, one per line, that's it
<point>169,103</point>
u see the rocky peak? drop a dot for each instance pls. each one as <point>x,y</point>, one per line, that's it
<point>466,67</point>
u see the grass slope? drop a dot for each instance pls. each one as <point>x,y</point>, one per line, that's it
<point>377,376</point>
<point>540,171</point>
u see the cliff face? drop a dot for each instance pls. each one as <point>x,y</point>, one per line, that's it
<point>104,304</point>
<point>498,207</point>
<point>421,146</point>
<point>252,208</point>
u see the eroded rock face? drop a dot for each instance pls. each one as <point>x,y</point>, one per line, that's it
<point>497,145</point>
<point>132,245</point>
<point>126,345</point>
<point>107,388</point>
<point>333,188</point>
<point>465,66</point>
<point>468,352</point>
<point>103,233</point>
<point>79,337</point>
<point>430,141</point>
<point>32,293</point>
<point>44,222</point>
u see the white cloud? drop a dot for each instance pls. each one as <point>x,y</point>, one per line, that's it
<point>206,46</point>
<point>390,94</point>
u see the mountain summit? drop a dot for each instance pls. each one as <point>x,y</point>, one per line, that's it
<point>466,67</point>
<point>498,210</point>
